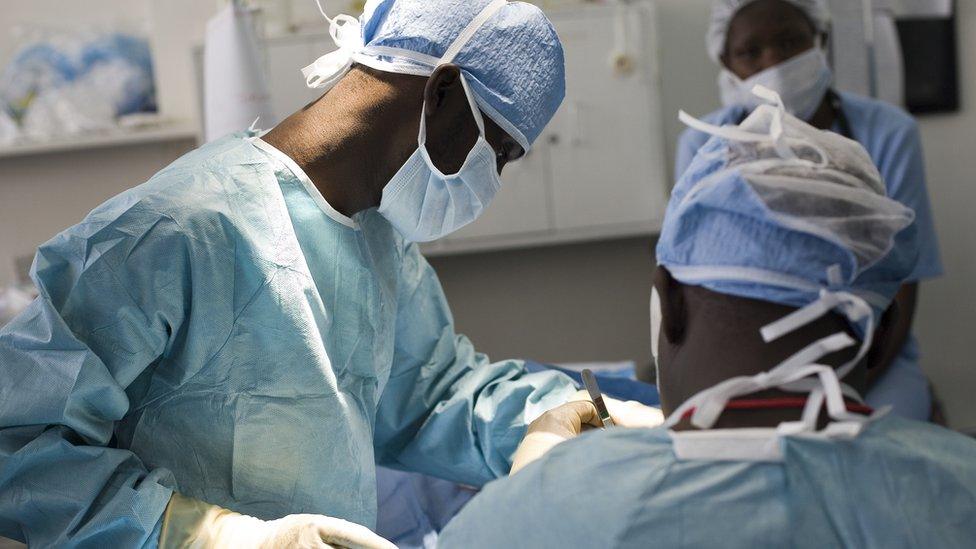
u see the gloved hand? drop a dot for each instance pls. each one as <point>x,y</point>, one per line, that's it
<point>569,420</point>
<point>628,413</point>
<point>557,425</point>
<point>192,523</point>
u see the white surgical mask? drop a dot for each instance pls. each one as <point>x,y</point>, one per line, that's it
<point>801,82</point>
<point>424,204</point>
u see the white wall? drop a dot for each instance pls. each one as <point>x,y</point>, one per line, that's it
<point>946,320</point>
<point>570,303</point>
<point>687,74</point>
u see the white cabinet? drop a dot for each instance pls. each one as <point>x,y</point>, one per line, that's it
<point>597,171</point>
<point>607,156</point>
<point>285,58</point>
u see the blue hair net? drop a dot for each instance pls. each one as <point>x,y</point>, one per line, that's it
<point>779,211</point>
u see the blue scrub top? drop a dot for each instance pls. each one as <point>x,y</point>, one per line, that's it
<point>892,139</point>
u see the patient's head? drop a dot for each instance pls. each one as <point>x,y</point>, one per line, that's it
<point>758,230</point>
<point>705,337</point>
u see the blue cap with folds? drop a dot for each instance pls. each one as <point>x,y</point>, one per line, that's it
<point>743,223</point>
<point>513,63</point>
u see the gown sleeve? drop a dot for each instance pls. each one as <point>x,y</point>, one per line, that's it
<point>902,166</point>
<point>447,411</point>
<point>111,301</point>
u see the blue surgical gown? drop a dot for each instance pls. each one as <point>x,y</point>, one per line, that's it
<point>892,139</point>
<point>413,508</point>
<point>222,332</point>
<point>899,483</point>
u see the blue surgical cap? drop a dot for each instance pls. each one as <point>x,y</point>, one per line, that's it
<point>513,62</point>
<point>784,220</point>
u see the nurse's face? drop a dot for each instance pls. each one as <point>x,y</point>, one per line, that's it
<point>764,34</point>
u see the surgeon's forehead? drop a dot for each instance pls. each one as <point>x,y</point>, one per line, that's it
<point>771,16</point>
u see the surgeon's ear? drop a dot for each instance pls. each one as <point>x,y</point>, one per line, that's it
<point>444,83</point>
<point>451,129</point>
<point>672,305</point>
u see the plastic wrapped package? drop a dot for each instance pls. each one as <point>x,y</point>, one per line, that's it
<point>124,57</point>
<point>41,64</point>
<point>90,103</point>
<point>8,128</point>
<point>72,82</point>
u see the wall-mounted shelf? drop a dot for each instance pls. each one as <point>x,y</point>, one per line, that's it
<point>172,131</point>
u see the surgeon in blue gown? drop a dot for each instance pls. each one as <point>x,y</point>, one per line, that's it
<point>778,43</point>
<point>220,356</point>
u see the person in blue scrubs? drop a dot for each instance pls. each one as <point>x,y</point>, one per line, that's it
<point>221,355</point>
<point>770,277</point>
<point>763,41</point>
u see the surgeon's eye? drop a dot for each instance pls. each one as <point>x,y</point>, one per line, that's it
<point>509,152</point>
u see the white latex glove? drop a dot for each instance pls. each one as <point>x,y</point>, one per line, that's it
<point>557,425</point>
<point>196,524</point>
<point>628,413</point>
<point>569,420</point>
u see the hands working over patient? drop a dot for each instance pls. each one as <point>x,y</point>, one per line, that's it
<point>192,523</point>
<point>569,420</point>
